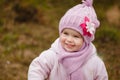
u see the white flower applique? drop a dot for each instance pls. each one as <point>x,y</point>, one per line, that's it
<point>88,27</point>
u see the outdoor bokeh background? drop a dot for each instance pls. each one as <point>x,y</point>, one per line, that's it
<point>27,27</point>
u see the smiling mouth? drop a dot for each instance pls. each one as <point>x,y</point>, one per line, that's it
<point>69,46</point>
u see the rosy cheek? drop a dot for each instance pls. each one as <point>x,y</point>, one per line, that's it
<point>62,39</point>
<point>80,43</point>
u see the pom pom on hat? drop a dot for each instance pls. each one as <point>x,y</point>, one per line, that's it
<point>88,2</point>
<point>81,18</point>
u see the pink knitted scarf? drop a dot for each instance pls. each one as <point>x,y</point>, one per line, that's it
<point>73,60</point>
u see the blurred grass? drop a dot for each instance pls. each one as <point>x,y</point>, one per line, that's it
<point>108,35</point>
<point>21,42</point>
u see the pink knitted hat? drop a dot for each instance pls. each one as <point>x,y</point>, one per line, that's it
<point>81,18</point>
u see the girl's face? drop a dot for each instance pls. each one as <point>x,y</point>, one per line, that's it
<point>71,40</point>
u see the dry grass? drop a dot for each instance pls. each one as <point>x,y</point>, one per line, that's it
<point>19,46</point>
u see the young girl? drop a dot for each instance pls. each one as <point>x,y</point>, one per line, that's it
<point>72,56</point>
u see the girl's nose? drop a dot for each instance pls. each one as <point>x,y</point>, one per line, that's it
<point>69,39</point>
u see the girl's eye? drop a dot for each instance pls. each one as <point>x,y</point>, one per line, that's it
<point>65,33</point>
<point>76,36</point>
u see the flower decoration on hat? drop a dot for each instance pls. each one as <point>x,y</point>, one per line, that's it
<point>87,27</point>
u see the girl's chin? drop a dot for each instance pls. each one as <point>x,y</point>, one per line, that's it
<point>69,49</point>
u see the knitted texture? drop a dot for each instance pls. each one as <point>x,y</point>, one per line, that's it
<point>81,18</point>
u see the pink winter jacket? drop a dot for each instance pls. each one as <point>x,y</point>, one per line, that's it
<point>47,67</point>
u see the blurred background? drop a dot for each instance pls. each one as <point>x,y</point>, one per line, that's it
<point>27,27</point>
